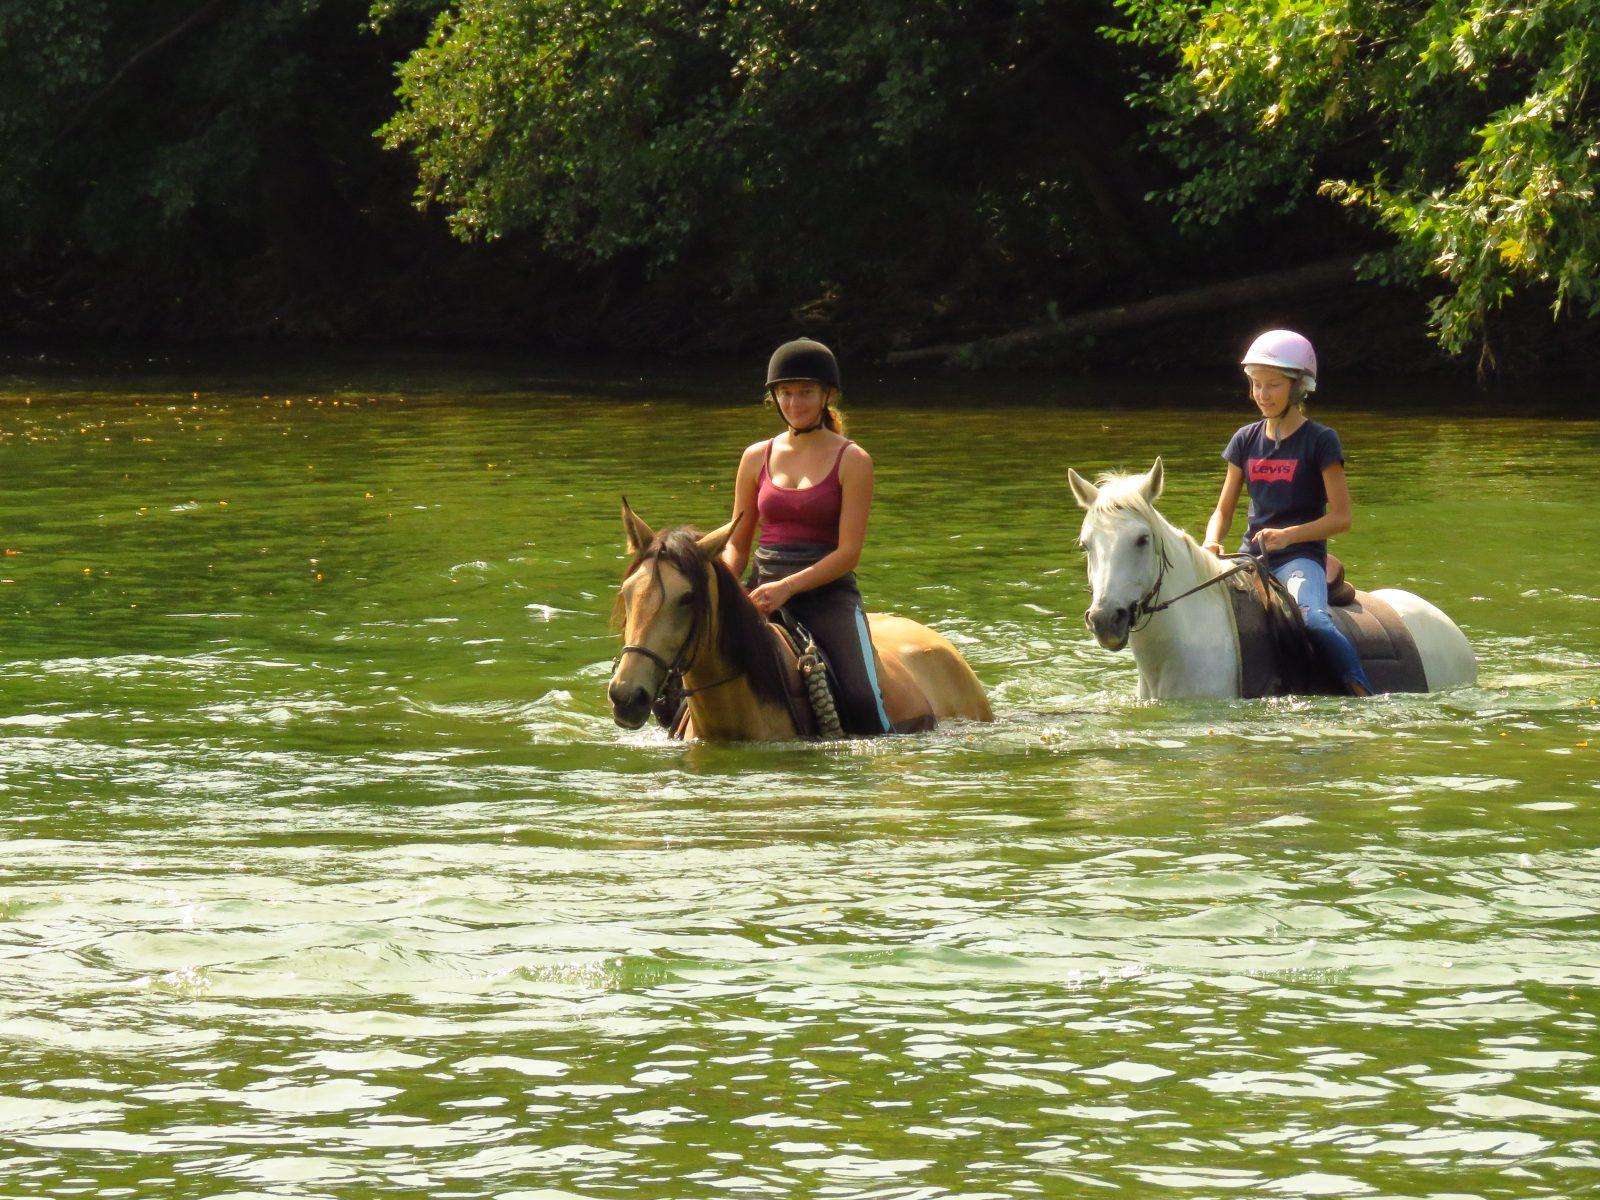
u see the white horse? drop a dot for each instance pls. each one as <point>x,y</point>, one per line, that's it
<point>1191,648</point>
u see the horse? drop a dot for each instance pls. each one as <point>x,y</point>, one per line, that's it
<point>1191,649</point>
<point>681,611</point>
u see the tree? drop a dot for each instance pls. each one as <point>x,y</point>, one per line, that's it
<point>1467,129</point>
<point>778,143</point>
<point>159,150</point>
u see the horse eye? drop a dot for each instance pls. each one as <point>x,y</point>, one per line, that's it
<point>1144,540</point>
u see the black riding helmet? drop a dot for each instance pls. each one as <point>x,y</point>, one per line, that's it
<point>803,359</point>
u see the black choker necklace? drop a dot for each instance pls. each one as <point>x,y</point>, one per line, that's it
<point>810,428</point>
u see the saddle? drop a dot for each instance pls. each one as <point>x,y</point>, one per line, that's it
<point>819,686</point>
<point>1276,657</point>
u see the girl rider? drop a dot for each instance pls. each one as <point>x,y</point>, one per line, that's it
<point>811,488</point>
<point>1294,468</point>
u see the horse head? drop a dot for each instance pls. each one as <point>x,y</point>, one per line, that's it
<point>1122,539</point>
<point>666,611</point>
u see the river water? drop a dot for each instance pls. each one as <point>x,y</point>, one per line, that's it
<point>324,871</point>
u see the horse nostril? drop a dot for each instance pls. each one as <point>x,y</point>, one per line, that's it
<point>1088,618</point>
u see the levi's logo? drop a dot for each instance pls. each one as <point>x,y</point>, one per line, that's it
<point>1273,470</point>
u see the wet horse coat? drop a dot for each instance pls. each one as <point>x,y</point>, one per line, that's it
<point>1156,590</point>
<point>681,609</point>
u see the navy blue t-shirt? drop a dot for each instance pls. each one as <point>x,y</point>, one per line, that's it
<point>1285,481</point>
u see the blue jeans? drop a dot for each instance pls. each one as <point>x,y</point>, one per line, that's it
<point>1307,581</point>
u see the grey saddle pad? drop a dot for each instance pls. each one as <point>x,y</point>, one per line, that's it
<point>1387,649</point>
<point>1275,660</point>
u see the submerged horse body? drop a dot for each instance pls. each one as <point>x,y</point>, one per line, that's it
<point>1139,562</point>
<point>681,610</point>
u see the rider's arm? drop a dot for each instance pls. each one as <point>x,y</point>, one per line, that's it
<point>736,554</point>
<point>1222,516</point>
<point>1337,518</point>
<point>855,481</point>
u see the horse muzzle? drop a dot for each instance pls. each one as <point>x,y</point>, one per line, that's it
<point>1109,626</point>
<point>630,704</point>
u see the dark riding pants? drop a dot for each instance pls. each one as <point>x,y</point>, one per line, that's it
<point>837,619</point>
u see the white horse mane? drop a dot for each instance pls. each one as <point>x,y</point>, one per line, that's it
<point>1125,494</point>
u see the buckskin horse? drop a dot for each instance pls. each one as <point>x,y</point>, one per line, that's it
<point>683,613</point>
<point>1185,611</point>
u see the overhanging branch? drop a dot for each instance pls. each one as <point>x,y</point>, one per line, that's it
<point>1235,293</point>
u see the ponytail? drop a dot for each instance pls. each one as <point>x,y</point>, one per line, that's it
<point>832,418</point>
<point>1300,392</point>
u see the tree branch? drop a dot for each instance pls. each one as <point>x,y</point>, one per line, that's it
<point>1338,272</point>
<point>200,15</point>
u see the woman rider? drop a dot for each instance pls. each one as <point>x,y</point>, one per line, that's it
<point>1294,468</point>
<point>811,489</point>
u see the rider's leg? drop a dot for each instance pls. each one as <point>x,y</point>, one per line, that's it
<point>1307,581</point>
<point>837,619</point>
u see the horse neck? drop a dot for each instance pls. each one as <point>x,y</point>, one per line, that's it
<point>1189,562</point>
<point>729,711</point>
<point>1191,621</point>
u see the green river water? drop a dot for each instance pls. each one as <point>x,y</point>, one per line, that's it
<point>325,871</point>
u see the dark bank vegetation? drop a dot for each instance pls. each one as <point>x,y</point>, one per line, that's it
<point>1113,183</point>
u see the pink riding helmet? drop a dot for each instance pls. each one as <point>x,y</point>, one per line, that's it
<point>1286,350</point>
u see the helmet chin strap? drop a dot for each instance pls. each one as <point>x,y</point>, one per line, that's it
<point>811,428</point>
<point>1296,396</point>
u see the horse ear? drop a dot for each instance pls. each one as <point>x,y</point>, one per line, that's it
<point>712,543</point>
<point>639,534</point>
<point>1151,487</point>
<point>1085,491</point>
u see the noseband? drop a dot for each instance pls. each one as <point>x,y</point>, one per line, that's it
<point>676,669</point>
<point>1145,607</point>
<point>668,669</point>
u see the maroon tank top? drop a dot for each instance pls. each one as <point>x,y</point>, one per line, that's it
<point>805,514</point>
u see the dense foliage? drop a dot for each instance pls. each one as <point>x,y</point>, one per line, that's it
<point>770,143</point>
<point>178,155</point>
<point>1467,128</point>
<point>695,173</point>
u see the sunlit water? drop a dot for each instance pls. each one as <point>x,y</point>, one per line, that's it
<point>327,873</point>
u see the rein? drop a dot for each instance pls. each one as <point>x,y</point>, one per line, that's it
<point>1144,609</point>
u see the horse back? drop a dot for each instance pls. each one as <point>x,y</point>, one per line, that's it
<point>1447,657</point>
<point>1404,643</point>
<point>924,677</point>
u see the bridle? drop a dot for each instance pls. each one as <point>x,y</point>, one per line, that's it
<point>676,668</point>
<point>1145,608</point>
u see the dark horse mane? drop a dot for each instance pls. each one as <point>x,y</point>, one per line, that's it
<point>744,637</point>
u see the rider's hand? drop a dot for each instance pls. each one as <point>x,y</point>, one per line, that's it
<point>770,597</point>
<point>1215,548</point>
<point>1268,540</point>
